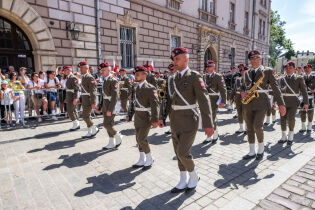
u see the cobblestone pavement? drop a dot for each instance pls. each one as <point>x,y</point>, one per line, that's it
<point>47,167</point>
<point>298,192</point>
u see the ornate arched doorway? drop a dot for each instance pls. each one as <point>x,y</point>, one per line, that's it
<point>208,56</point>
<point>15,47</point>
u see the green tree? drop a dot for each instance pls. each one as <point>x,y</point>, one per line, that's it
<point>279,44</point>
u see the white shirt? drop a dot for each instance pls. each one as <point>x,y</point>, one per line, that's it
<point>256,69</point>
<point>51,83</point>
<point>140,85</point>
<point>63,83</point>
<point>184,71</point>
<point>7,97</point>
<point>32,84</point>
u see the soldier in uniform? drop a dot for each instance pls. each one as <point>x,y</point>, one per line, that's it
<point>299,71</point>
<point>169,95</point>
<point>159,80</point>
<point>151,77</point>
<point>310,85</point>
<point>188,88</point>
<point>291,86</point>
<point>236,97</point>
<point>89,92</point>
<point>146,114</point>
<point>72,90</point>
<point>124,89</point>
<point>217,92</point>
<point>255,110</point>
<point>272,110</point>
<point>110,97</point>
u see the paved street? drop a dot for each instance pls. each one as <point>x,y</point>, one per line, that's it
<point>48,167</point>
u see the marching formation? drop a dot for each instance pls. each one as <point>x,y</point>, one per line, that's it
<point>191,100</point>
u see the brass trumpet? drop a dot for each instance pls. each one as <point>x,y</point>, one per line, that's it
<point>161,92</point>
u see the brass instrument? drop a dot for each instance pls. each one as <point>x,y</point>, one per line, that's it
<point>252,93</point>
<point>161,92</point>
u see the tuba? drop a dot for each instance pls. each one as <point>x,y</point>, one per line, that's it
<point>161,92</point>
<point>252,93</point>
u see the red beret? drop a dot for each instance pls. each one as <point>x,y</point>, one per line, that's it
<point>103,65</point>
<point>171,66</point>
<point>246,68</point>
<point>83,63</point>
<point>158,73</point>
<point>291,63</point>
<point>241,65</point>
<point>308,66</point>
<point>254,53</point>
<point>209,62</point>
<point>140,68</point>
<point>122,69</point>
<point>178,51</point>
<point>147,66</point>
<point>66,67</point>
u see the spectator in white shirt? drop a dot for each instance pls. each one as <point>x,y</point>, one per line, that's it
<point>51,83</point>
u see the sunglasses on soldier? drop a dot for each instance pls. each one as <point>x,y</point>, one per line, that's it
<point>254,57</point>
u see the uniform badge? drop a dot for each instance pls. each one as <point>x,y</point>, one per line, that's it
<point>222,80</point>
<point>92,81</point>
<point>202,84</point>
<point>186,84</point>
<point>76,81</point>
<point>155,95</point>
<point>116,86</point>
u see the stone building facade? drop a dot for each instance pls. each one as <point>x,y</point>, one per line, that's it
<point>132,32</point>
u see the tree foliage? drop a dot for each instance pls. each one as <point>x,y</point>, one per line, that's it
<point>312,61</point>
<point>279,44</point>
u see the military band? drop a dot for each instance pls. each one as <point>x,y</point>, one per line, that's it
<point>191,102</point>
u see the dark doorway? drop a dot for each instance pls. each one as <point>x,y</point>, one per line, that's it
<point>208,56</point>
<point>15,47</point>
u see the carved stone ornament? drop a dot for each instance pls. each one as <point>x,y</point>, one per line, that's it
<point>128,20</point>
<point>175,31</point>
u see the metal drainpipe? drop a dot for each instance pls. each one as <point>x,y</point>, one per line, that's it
<point>253,23</point>
<point>98,32</point>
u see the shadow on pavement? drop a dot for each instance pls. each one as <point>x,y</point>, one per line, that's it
<point>78,159</point>
<point>156,139</point>
<point>245,176</point>
<point>45,135</point>
<point>232,139</point>
<point>164,201</point>
<point>105,183</point>
<point>59,145</point>
<point>128,132</point>
<point>200,150</point>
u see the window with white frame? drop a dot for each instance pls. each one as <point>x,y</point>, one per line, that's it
<point>175,4</point>
<point>264,26</point>
<point>203,5</point>
<point>246,20</point>
<point>127,47</point>
<point>260,26</point>
<point>175,42</point>
<point>211,7</point>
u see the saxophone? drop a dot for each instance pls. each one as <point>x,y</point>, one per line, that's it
<point>252,93</point>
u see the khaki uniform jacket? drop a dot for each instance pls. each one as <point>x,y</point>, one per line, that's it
<point>310,82</point>
<point>151,79</point>
<point>88,85</point>
<point>269,80</point>
<point>215,84</point>
<point>237,89</point>
<point>125,89</point>
<point>191,86</point>
<point>169,94</point>
<point>72,83</point>
<point>297,84</point>
<point>148,98</point>
<point>110,88</point>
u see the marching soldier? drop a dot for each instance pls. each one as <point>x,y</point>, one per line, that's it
<point>310,85</point>
<point>146,114</point>
<point>72,90</point>
<point>299,71</point>
<point>89,92</point>
<point>217,92</point>
<point>159,80</point>
<point>169,95</point>
<point>291,86</point>
<point>124,89</point>
<point>255,108</point>
<point>150,77</point>
<point>110,97</point>
<point>188,88</point>
<point>236,96</point>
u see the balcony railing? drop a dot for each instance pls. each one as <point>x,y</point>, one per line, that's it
<point>208,17</point>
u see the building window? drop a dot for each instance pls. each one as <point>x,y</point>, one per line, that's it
<point>232,56</point>
<point>127,47</point>
<point>264,26</point>
<point>203,5</point>
<point>232,12</point>
<point>263,2</point>
<point>246,20</point>
<point>246,58</point>
<point>260,25</point>
<point>175,42</point>
<point>211,7</point>
<point>175,4</point>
